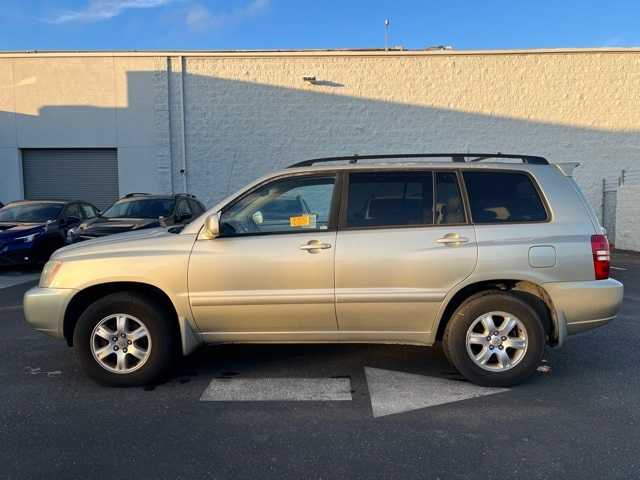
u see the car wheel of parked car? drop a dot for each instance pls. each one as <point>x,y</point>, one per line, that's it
<point>495,339</point>
<point>124,340</point>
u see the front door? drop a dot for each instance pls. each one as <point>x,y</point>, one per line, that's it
<point>271,272</point>
<point>404,242</point>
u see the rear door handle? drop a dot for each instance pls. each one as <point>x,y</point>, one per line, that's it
<point>452,239</point>
<point>314,246</point>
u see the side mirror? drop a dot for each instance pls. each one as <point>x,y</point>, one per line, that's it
<point>211,227</point>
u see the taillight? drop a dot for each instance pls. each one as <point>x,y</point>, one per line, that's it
<point>600,250</point>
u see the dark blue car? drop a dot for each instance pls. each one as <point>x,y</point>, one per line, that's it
<point>31,230</point>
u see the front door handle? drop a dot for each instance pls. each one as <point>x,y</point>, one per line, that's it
<point>452,239</point>
<point>314,246</point>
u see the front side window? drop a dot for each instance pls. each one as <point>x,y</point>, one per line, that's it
<point>390,199</point>
<point>73,211</point>
<point>183,211</point>
<point>87,211</point>
<point>196,208</point>
<point>499,197</point>
<point>290,205</point>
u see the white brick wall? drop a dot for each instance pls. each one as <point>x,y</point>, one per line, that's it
<point>246,116</point>
<point>241,115</point>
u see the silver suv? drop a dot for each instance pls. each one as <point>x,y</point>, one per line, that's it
<point>496,256</point>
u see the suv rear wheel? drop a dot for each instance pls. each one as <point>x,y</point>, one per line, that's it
<point>495,339</point>
<point>124,340</point>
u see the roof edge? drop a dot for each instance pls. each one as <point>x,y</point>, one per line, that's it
<point>310,52</point>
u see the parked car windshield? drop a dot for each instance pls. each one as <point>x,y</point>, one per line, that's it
<point>140,208</point>
<point>30,212</point>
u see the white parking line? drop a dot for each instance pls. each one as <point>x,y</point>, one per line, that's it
<point>396,392</point>
<point>277,389</point>
<point>618,268</point>
<point>10,308</point>
<point>12,279</point>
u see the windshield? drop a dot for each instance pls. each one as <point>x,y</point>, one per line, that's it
<point>140,208</point>
<point>30,212</point>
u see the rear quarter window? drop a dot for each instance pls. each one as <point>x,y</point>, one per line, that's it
<point>503,197</point>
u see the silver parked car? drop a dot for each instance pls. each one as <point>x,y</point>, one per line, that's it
<point>496,256</point>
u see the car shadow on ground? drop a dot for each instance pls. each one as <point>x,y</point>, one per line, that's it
<point>311,360</point>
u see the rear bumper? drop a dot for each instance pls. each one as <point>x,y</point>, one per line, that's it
<point>582,306</point>
<point>44,308</point>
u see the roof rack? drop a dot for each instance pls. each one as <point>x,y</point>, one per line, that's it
<point>455,157</point>
<point>135,194</point>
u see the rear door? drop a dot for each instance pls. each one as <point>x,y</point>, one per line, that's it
<point>404,242</point>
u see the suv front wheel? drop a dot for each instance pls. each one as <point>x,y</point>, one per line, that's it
<point>124,340</point>
<point>495,339</point>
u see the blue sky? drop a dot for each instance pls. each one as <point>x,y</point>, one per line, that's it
<point>285,24</point>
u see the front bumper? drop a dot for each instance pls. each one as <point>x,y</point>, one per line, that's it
<point>16,254</point>
<point>581,306</point>
<point>44,308</point>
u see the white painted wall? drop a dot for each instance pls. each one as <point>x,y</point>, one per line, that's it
<point>73,101</point>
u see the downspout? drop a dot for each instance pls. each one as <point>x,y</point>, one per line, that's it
<point>183,170</point>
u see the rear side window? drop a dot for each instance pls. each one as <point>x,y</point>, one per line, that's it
<point>390,199</point>
<point>503,197</point>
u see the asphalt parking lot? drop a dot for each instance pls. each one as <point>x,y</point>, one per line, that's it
<point>322,411</point>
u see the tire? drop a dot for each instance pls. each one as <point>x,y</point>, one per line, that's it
<point>445,351</point>
<point>154,347</point>
<point>523,345</point>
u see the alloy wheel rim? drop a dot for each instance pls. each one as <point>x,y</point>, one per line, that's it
<point>497,341</point>
<point>120,343</point>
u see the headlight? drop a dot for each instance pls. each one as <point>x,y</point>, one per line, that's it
<point>49,272</point>
<point>28,238</point>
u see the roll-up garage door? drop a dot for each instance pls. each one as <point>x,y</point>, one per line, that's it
<point>71,174</point>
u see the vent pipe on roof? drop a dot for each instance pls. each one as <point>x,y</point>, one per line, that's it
<point>386,34</point>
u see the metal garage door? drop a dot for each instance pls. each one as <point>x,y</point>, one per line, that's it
<point>71,174</point>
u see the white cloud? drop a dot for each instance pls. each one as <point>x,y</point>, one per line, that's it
<point>200,18</point>
<point>98,10</point>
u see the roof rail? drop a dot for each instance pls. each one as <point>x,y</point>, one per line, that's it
<point>455,157</point>
<point>135,194</point>
<point>190,195</point>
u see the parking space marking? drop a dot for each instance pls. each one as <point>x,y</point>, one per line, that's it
<point>12,279</point>
<point>394,392</point>
<point>10,308</point>
<point>618,268</point>
<point>277,389</point>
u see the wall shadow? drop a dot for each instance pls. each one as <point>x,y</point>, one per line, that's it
<point>237,131</point>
